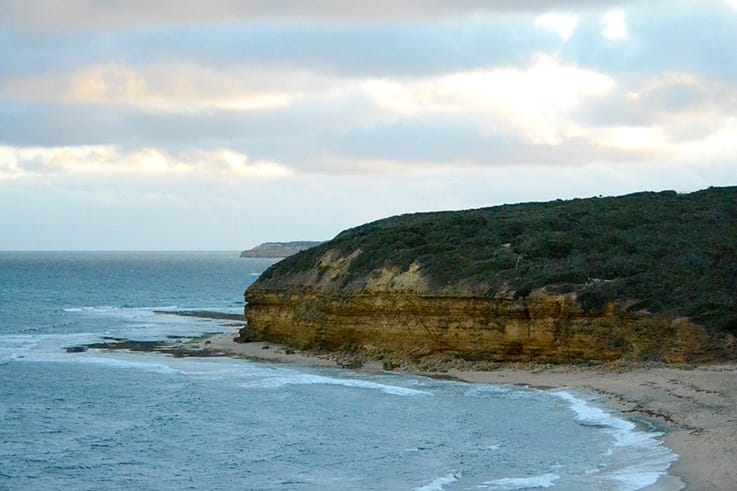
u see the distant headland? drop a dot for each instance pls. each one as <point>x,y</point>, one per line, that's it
<point>278,249</point>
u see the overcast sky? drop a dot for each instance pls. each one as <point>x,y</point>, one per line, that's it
<point>184,124</point>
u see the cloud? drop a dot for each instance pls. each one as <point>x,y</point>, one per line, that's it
<point>105,14</point>
<point>111,160</point>
<point>376,49</point>
<point>664,37</point>
<point>615,25</point>
<point>547,112</point>
<point>167,88</point>
<point>533,101</point>
<point>562,24</point>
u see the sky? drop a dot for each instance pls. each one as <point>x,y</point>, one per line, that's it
<point>218,125</point>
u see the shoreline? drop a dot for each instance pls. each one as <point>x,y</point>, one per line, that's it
<point>697,405</point>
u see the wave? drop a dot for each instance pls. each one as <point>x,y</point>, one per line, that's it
<point>439,483</point>
<point>639,458</point>
<point>280,378</point>
<point>118,309</point>
<point>44,348</point>
<point>102,308</point>
<point>19,347</point>
<point>114,362</point>
<point>542,481</point>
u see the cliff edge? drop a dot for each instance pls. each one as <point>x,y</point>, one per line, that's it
<point>642,277</point>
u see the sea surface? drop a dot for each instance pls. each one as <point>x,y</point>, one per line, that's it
<point>147,421</point>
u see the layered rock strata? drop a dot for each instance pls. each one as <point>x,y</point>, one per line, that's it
<point>387,319</point>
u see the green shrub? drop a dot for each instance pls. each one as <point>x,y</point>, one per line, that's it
<point>664,252</point>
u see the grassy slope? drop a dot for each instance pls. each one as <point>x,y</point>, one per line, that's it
<point>660,252</point>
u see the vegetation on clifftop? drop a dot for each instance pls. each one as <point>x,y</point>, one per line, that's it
<point>664,253</point>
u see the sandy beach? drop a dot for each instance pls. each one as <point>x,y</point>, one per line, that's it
<point>697,405</point>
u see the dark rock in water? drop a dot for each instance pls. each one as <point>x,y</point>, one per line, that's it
<point>203,314</point>
<point>145,346</point>
<point>176,350</point>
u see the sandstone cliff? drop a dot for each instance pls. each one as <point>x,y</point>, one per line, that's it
<point>641,277</point>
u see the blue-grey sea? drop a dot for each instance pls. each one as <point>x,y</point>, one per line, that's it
<point>147,421</point>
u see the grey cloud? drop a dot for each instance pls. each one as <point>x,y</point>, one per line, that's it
<point>391,49</point>
<point>674,36</point>
<point>342,138</point>
<point>684,104</point>
<point>102,14</point>
<point>677,36</point>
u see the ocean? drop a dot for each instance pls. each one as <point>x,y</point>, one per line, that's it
<point>149,421</point>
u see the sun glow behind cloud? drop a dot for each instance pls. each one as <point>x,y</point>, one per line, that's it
<point>168,88</point>
<point>562,24</point>
<point>111,160</point>
<point>615,25</point>
<point>535,101</point>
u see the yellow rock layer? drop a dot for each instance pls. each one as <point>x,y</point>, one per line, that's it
<point>541,327</point>
<point>391,313</point>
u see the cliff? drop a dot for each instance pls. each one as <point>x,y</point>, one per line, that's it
<point>648,276</point>
<point>278,249</point>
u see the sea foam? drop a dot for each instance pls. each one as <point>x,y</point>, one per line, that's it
<point>542,481</point>
<point>638,457</point>
<point>276,378</point>
<point>439,483</point>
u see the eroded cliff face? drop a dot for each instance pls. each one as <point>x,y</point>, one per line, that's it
<point>391,313</point>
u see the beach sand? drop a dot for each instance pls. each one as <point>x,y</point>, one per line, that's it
<point>698,405</point>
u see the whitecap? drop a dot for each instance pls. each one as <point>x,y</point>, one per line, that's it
<point>93,309</point>
<point>438,484</point>
<point>542,481</point>
<point>29,346</point>
<point>14,347</point>
<point>124,364</point>
<point>281,378</point>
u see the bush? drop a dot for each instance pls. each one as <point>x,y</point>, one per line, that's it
<point>663,252</point>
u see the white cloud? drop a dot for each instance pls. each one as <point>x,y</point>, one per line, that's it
<point>535,101</point>
<point>614,25</point>
<point>562,24</point>
<point>111,160</point>
<point>523,111</point>
<point>167,87</point>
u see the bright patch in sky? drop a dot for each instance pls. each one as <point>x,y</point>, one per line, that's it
<point>109,159</point>
<point>615,25</point>
<point>562,24</point>
<point>534,102</point>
